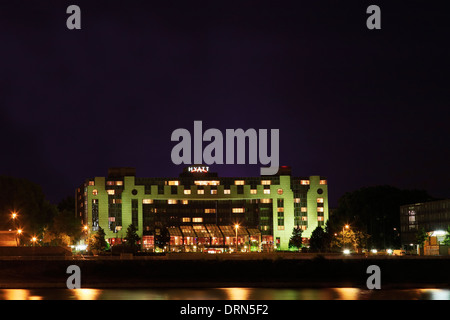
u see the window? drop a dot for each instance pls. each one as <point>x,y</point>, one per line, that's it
<point>187,191</point>
<point>172,201</point>
<point>320,218</point>
<point>319,200</point>
<point>253,191</point>
<point>197,219</point>
<point>304,209</point>
<point>280,227</point>
<point>280,209</point>
<point>184,202</point>
<point>111,192</point>
<point>238,210</point>
<point>297,200</point>
<point>147,201</point>
<point>213,191</point>
<point>207,182</point>
<point>92,183</point>
<point>210,210</point>
<point>200,191</point>
<point>323,182</point>
<point>266,200</point>
<point>266,182</point>
<point>134,212</point>
<point>304,218</point>
<point>109,183</point>
<point>304,182</point>
<point>186,219</point>
<point>280,191</point>
<point>226,191</point>
<point>303,228</point>
<point>119,183</point>
<point>319,209</point>
<point>174,183</point>
<point>239,182</point>
<point>94,192</point>
<point>266,191</point>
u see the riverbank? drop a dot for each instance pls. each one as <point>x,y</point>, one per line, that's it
<point>311,272</point>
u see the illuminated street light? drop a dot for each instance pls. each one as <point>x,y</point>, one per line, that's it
<point>33,240</point>
<point>236,226</point>
<point>19,231</point>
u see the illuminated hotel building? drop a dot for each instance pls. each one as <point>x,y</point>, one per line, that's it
<point>199,210</point>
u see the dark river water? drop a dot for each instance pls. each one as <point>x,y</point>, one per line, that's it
<point>225,294</point>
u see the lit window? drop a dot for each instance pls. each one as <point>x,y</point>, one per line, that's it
<point>304,218</point>
<point>266,182</point>
<point>266,191</point>
<point>111,192</point>
<point>319,200</point>
<point>239,182</point>
<point>174,183</point>
<point>280,191</point>
<point>147,201</point>
<point>323,182</point>
<point>110,183</point>
<point>185,202</point>
<point>92,183</point>
<point>280,227</point>
<point>210,210</point>
<point>226,191</point>
<point>280,209</point>
<point>119,183</point>
<point>319,209</point>
<point>297,200</point>
<point>304,182</point>
<point>213,191</point>
<point>207,183</point>
<point>304,209</point>
<point>185,219</point>
<point>319,218</point>
<point>197,219</point>
<point>172,201</point>
<point>266,200</point>
<point>94,192</point>
<point>238,210</point>
<point>187,191</point>
<point>303,228</point>
<point>200,191</point>
<point>253,191</point>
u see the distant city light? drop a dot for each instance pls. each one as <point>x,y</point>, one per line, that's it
<point>346,251</point>
<point>374,251</point>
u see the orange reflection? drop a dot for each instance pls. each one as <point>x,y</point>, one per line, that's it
<point>86,294</point>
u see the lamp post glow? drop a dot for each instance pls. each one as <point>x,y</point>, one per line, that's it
<point>236,226</point>
<point>343,233</point>
<point>19,232</point>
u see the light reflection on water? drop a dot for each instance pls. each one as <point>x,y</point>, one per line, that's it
<point>224,294</point>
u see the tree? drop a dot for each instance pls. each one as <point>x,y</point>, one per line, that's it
<point>375,211</point>
<point>447,237</point>
<point>295,242</point>
<point>132,237</point>
<point>97,241</point>
<point>317,242</point>
<point>421,237</point>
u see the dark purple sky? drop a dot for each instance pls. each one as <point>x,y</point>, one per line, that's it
<point>358,106</point>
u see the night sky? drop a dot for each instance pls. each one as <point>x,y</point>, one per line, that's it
<point>361,107</point>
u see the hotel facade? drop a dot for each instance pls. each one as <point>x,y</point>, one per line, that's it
<point>199,211</point>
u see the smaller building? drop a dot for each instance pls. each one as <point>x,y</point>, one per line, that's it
<point>8,239</point>
<point>433,217</point>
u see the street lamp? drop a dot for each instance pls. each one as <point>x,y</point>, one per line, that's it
<point>236,226</point>
<point>19,232</point>
<point>343,237</point>
<point>33,240</point>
